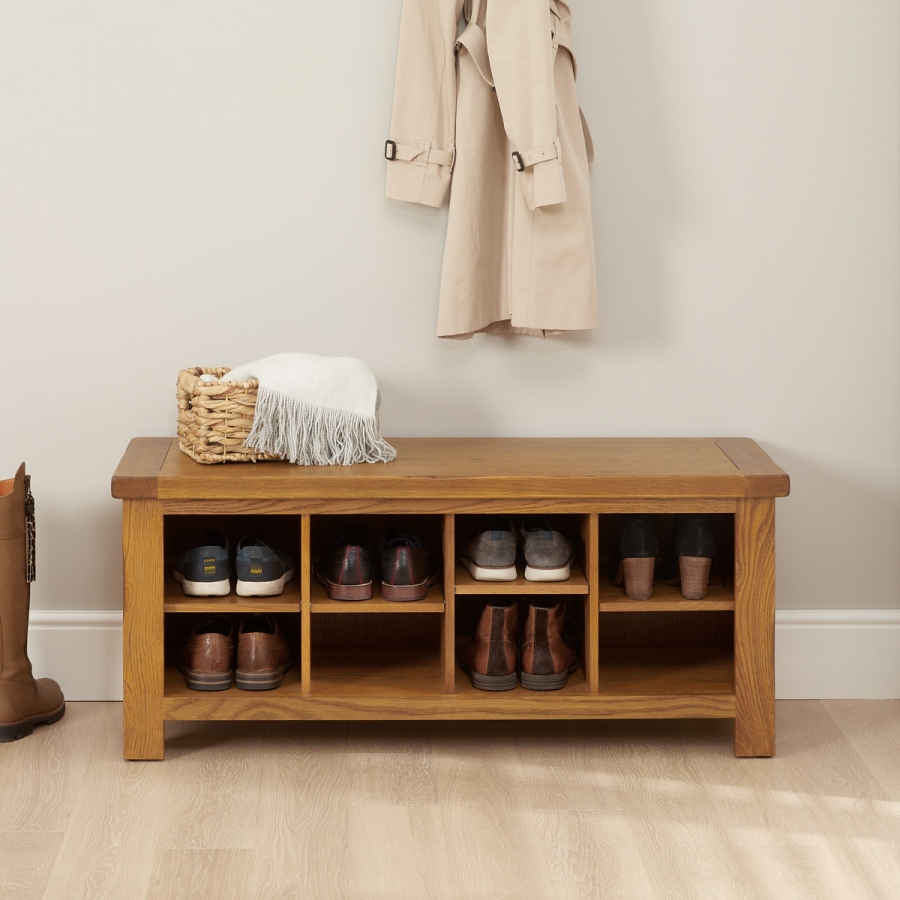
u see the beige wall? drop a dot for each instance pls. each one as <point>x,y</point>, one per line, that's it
<point>187,183</point>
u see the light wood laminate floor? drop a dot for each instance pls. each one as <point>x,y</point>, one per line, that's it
<point>551,810</point>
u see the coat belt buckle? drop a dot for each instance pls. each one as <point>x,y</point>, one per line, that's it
<point>518,162</point>
<point>390,149</point>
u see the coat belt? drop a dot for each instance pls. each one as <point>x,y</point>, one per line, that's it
<point>393,150</point>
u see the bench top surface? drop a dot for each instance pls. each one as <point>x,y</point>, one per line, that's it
<point>449,468</point>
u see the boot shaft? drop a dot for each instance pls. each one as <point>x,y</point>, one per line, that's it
<point>14,587</point>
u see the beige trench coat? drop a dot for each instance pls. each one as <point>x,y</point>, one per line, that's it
<point>494,110</point>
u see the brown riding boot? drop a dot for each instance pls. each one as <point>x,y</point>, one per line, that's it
<point>24,702</point>
<point>547,659</point>
<point>491,656</point>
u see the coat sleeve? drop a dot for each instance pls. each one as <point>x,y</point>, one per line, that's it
<point>522,58</point>
<point>420,150</point>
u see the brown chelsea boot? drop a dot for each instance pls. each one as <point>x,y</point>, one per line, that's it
<point>547,659</point>
<point>206,658</point>
<point>24,701</point>
<point>491,655</point>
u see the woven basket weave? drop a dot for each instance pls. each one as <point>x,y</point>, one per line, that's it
<point>215,417</point>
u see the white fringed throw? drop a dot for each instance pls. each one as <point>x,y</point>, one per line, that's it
<point>316,410</point>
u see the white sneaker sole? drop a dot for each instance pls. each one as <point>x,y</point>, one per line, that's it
<point>264,588</point>
<point>560,574</point>
<point>480,573</point>
<point>203,588</point>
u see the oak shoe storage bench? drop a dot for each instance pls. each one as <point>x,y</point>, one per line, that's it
<point>661,658</point>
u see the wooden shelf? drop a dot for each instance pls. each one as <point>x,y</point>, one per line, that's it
<point>466,584</point>
<point>653,671</point>
<point>405,683</point>
<point>665,598</point>
<point>320,602</point>
<point>175,600</point>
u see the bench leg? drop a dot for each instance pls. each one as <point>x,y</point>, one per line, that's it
<point>754,627</point>
<point>142,629</point>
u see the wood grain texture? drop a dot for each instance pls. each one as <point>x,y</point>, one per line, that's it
<point>40,776</point>
<point>753,461</point>
<point>107,850</point>
<point>302,846</point>
<point>591,565</point>
<point>754,628</point>
<point>466,584</point>
<point>176,601</point>
<point>184,874</point>
<point>397,683</point>
<point>448,620</point>
<point>25,862</point>
<point>213,791</point>
<point>461,506</point>
<point>547,469</point>
<point>135,476</point>
<point>142,629</point>
<point>665,598</point>
<point>496,849</point>
<point>564,810</point>
<point>305,604</point>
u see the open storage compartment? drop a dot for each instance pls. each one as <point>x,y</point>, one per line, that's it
<point>664,657</point>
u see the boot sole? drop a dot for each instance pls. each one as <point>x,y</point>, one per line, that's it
<point>345,591</point>
<point>493,682</point>
<point>403,593</point>
<point>15,731</point>
<point>547,682</point>
<point>636,572</point>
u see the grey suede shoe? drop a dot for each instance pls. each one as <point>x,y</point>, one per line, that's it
<point>491,555</point>
<point>548,555</point>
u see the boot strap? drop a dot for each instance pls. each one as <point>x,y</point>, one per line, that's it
<point>29,531</point>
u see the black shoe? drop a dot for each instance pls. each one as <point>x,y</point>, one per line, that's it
<point>690,555</point>
<point>346,571</point>
<point>635,556</point>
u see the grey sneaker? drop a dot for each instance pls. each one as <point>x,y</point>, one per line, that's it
<point>261,570</point>
<point>204,570</point>
<point>548,555</point>
<point>491,555</point>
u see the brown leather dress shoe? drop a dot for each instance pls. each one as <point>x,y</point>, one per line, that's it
<point>547,659</point>
<point>206,657</point>
<point>263,654</point>
<point>491,655</point>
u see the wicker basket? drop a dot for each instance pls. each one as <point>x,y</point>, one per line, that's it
<point>215,417</point>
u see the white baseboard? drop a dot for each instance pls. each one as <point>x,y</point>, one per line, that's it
<point>80,648</point>
<point>837,654</point>
<point>819,653</point>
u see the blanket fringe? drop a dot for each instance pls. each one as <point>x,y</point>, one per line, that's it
<point>314,435</point>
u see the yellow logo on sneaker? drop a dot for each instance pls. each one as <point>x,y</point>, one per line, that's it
<point>212,559</point>
<point>209,570</point>
<point>256,570</point>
